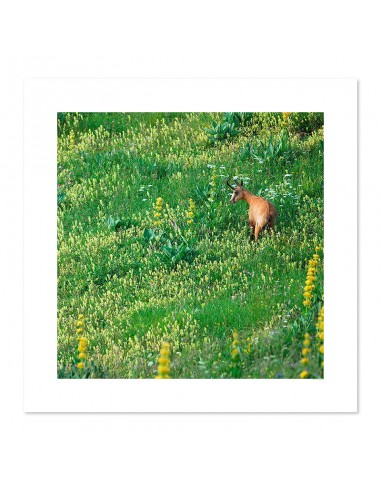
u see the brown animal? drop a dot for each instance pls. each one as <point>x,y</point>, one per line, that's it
<point>262,213</point>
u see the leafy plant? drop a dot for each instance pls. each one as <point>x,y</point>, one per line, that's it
<point>170,250</point>
<point>239,119</point>
<point>221,131</point>
<point>276,150</point>
<point>154,235</point>
<point>173,253</point>
<point>60,196</point>
<point>115,223</point>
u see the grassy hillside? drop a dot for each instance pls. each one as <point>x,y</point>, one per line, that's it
<point>151,252</point>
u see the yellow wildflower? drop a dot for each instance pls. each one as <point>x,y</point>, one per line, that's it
<point>304,374</point>
<point>158,212</point>
<point>71,140</point>
<point>235,346</point>
<point>190,211</point>
<point>310,278</point>
<point>82,342</point>
<point>163,368</point>
<point>320,336</point>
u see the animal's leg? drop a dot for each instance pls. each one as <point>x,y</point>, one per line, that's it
<point>251,225</point>
<point>257,231</point>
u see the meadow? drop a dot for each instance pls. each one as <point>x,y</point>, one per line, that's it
<point>157,276</point>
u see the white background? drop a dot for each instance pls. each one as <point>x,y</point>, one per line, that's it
<point>188,452</point>
<point>43,98</point>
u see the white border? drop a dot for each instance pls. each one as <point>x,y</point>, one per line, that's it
<point>43,392</point>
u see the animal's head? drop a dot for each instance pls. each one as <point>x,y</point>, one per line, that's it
<point>237,191</point>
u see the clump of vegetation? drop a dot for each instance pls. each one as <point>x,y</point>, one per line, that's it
<point>222,131</point>
<point>303,123</point>
<point>153,255</point>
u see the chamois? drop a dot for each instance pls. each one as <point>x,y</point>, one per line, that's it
<point>262,213</point>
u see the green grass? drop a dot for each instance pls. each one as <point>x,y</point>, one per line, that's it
<point>139,284</point>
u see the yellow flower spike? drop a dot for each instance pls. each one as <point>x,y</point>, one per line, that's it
<point>190,211</point>
<point>158,212</point>
<point>82,342</point>
<point>320,336</point>
<point>163,368</point>
<point>310,279</point>
<point>71,140</point>
<point>305,351</point>
<point>304,374</point>
<point>235,346</point>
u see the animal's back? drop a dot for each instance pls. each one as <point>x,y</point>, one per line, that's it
<point>262,211</point>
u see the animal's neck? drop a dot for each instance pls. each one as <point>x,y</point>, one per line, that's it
<point>247,196</point>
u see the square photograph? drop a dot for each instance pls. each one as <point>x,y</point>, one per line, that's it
<point>190,245</point>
